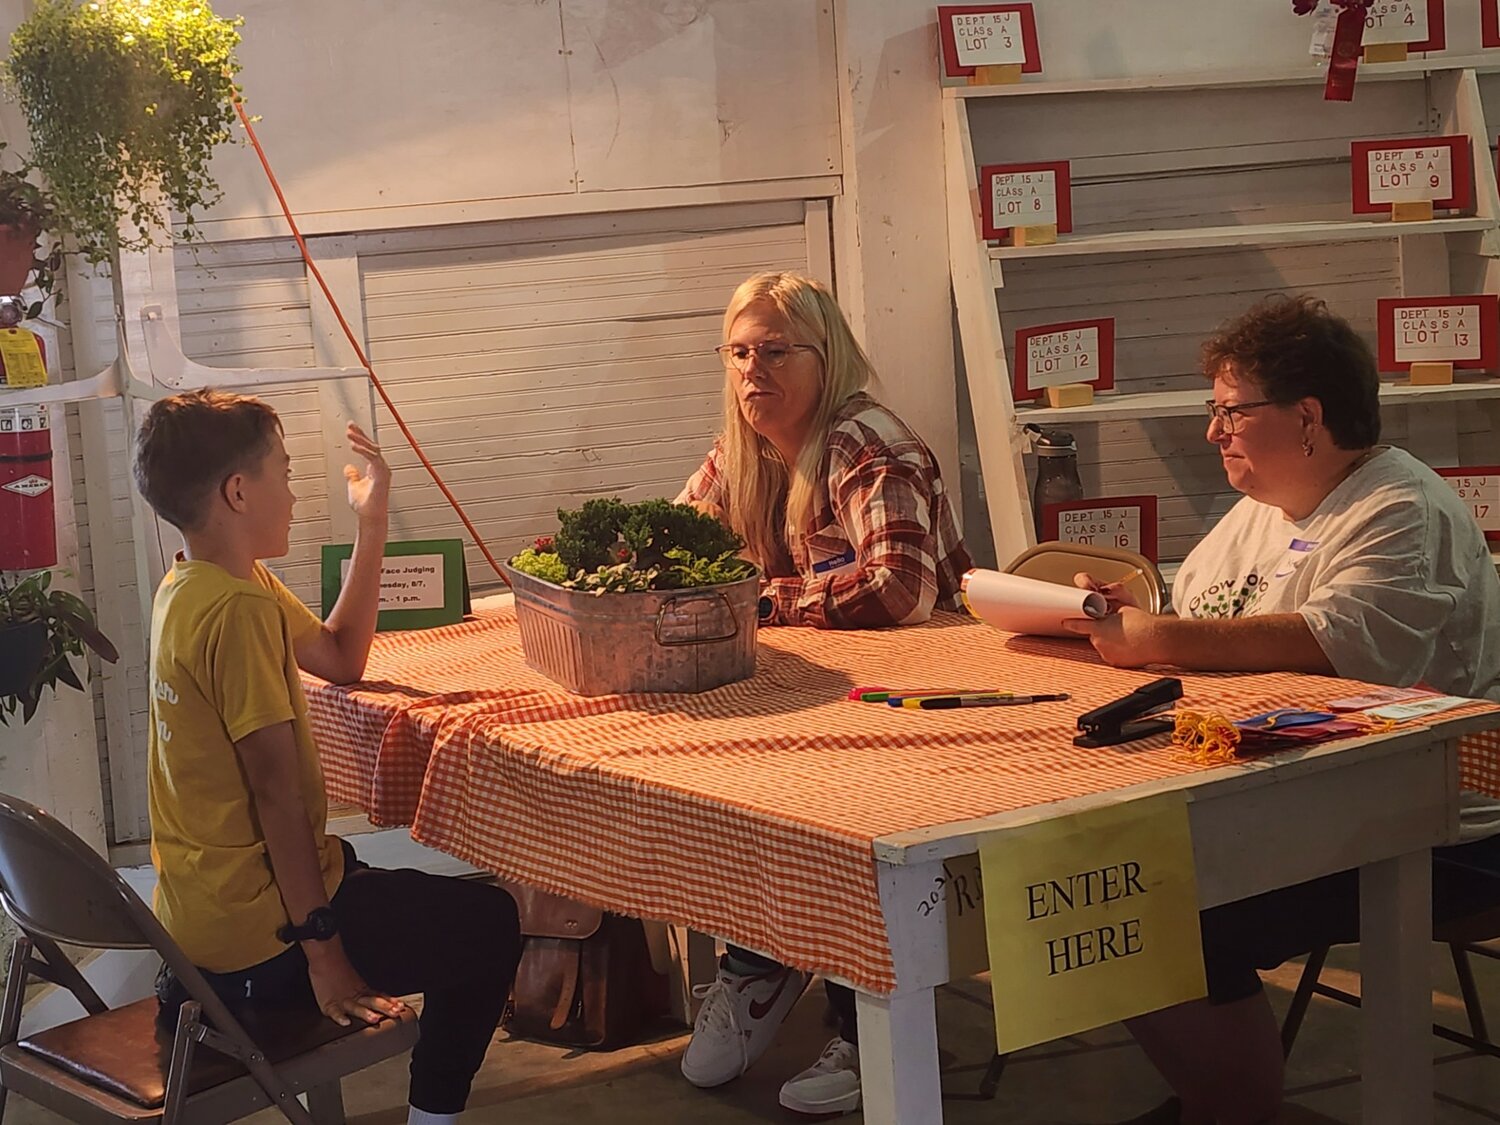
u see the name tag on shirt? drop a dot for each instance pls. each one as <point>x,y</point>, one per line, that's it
<point>1297,550</point>
<point>837,562</point>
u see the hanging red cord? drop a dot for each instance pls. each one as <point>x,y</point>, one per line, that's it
<point>312,268</point>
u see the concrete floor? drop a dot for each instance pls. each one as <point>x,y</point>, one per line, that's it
<point>1092,1079</point>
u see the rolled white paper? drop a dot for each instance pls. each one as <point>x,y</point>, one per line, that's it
<point>1026,605</point>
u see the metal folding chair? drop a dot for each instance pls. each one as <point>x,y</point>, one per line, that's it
<point>122,1065</point>
<point>1465,937</point>
<point>1059,562</point>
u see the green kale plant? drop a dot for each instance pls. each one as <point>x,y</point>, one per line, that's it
<point>541,564</point>
<point>589,538</point>
<point>608,546</point>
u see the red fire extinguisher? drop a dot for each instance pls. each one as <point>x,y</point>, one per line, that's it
<point>28,521</point>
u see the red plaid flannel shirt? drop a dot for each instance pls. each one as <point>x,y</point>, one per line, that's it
<point>883,547</point>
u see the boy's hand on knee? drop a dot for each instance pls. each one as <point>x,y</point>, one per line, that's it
<point>370,487</point>
<point>341,992</point>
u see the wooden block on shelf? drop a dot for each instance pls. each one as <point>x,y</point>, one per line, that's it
<point>1385,52</point>
<point>1005,75</point>
<point>1417,211</point>
<point>1431,374</point>
<point>1034,236</point>
<point>1069,394</point>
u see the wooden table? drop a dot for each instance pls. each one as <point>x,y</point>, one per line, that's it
<point>778,815</point>
<point>1255,828</point>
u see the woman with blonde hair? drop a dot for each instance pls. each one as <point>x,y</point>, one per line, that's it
<point>843,508</point>
<point>838,501</point>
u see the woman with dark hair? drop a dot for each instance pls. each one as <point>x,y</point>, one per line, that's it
<point>1344,558</point>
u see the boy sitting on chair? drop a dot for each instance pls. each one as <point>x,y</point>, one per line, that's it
<point>270,907</point>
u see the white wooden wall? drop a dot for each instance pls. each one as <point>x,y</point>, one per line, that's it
<point>246,304</point>
<point>382,114</point>
<point>546,362</point>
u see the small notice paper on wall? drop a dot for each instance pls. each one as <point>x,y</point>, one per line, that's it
<point>407,581</point>
<point>1054,355</point>
<point>422,583</point>
<point>1413,170</point>
<point>1093,917</point>
<point>1479,488</point>
<point>1126,522</point>
<point>1025,195</point>
<point>1419,24</point>
<point>989,38</point>
<point>975,35</point>
<point>1463,331</point>
<point>21,362</point>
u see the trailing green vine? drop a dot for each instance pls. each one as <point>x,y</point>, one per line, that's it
<point>125,101</point>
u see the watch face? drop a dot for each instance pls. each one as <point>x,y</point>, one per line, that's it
<point>323,923</point>
<point>765,607</point>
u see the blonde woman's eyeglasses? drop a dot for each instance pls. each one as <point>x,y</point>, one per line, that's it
<point>772,355</point>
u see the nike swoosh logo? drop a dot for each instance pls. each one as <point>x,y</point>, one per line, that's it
<point>759,1009</point>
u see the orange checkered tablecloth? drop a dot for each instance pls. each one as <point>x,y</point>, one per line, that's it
<point>750,811</point>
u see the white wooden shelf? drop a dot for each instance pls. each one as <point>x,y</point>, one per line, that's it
<point>1264,234</point>
<point>1266,136</point>
<point>1114,407</point>
<point>1313,74</point>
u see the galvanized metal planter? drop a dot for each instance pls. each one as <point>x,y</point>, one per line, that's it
<point>659,640</point>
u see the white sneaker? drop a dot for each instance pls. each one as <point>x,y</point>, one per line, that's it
<point>830,1085</point>
<point>737,1022</point>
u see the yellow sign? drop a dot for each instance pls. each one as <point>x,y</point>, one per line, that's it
<point>1091,919</point>
<point>21,357</point>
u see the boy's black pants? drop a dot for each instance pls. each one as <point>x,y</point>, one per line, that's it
<point>455,941</point>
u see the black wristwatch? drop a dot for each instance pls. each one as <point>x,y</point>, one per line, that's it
<point>321,925</point>
<point>765,609</point>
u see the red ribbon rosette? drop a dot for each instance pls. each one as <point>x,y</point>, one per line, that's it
<point>1348,36</point>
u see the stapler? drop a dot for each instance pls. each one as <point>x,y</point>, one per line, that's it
<point>1127,718</point>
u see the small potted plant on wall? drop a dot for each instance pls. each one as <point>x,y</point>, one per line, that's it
<point>125,101</point>
<point>637,597</point>
<point>26,210</point>
<point>41,630</point>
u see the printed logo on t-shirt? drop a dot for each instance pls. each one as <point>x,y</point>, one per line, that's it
<point>1230,598</point>
<point>164,696</point>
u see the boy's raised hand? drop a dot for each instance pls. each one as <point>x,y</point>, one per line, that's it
<point>369,487</point>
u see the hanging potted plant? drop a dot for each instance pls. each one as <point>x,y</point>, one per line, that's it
<point>125,101</point>
<point>637,597</point>
<point>41,629</point>
<point>26,210</point>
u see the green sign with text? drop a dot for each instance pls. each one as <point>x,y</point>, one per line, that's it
<point>422,583</point>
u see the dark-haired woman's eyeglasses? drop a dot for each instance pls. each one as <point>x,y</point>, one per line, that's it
<point>1226,415</point>
<point>772,355</point>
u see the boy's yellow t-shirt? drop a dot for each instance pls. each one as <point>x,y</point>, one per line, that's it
<point>222,668</point>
